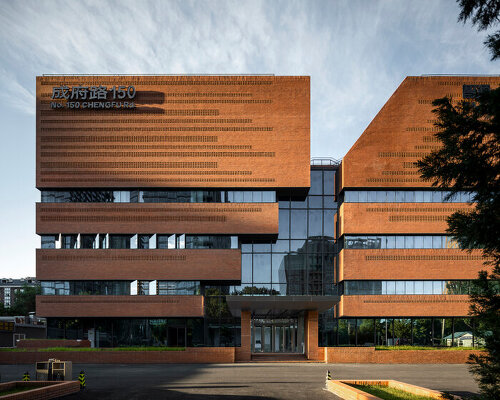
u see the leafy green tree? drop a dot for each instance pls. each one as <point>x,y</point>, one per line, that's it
<point>484,14</point>
<point>24,301</point>
<point>469,160</point>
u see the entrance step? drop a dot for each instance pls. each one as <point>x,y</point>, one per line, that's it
<point>279,358</point>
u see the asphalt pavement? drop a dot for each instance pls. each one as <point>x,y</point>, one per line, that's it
<point>245,381</point>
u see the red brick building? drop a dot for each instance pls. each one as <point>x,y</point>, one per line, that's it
<point>184,211</point>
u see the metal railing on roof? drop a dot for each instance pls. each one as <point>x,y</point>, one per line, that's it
<point>324,161</point>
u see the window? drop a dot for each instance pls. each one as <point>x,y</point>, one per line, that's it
<point>143,241</point>
<point>209,242</point>
<point>48,241</point>
<point>178,287</point>
<point>119,241</point>
<point>69,241</point>
<point>88,241</point>
<point>405,196</point>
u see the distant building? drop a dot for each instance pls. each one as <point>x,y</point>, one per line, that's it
<point>10,287</point>
<point>13,329</point>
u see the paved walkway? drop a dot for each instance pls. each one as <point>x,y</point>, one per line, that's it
<point>245,381</point>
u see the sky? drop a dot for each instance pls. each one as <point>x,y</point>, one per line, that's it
<point>356,52</point>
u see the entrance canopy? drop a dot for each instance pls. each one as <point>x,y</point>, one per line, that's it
<point>279,305</point>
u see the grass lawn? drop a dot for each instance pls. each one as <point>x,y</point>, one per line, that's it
<point>17,390</point>
<point>133,348</point>
<point>455,348</point>
<point>388,393</point>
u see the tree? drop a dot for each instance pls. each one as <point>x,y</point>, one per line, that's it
<point>24,302</point>
<point>484,14</point>
<point>469,160</point>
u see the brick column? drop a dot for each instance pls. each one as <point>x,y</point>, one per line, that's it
<point>311,335</point>
<point>243,353</point>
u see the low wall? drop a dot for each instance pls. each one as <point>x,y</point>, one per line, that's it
<point>192,355</point>
<point>44,343</point>
<point>368,355</point>
<point>342,389</point>
<point>49,390</point>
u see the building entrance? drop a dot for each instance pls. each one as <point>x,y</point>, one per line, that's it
<point>277,335</point>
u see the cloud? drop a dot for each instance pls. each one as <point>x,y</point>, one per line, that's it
<point>357,52</point>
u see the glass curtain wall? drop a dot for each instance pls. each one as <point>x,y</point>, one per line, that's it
<point>301,262</point>
<point>433,331</point>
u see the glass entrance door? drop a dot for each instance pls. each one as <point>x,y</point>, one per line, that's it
<point>275,336</point>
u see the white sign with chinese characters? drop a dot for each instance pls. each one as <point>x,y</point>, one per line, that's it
<point>93,97</point>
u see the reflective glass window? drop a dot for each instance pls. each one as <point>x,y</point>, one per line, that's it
<point>247,197</point>
<point>48,241</point>
<point>103,241</point>
<point>162,241</point>
<point>437,197</point>
<point>315,201</point>
<point>315,223</point>
<point>299,224</point>
<point>278,268</point>
<point>409,196</point>
<point>329,185</point>
<point>238,197</point>
<point>391,242</point>
<point>262,247</point>
<point>329,223</point>
<point>299,203</point>
<point>391,287</point>
<point>119,241</point>
<point>298,245</point>
<point>418,242</point>
<point>246,267</point>
<point>246,247</point>
<point>409,242</point>
<point>281,246</point>
<point>437,242</point>
<point>257,196</point>
<point>391,196</point>
<point>88,241</point>
<point>372,197</point>
<point>363,196</point>
<point>380,196</point>
<point>284,224</point>
<point>329,202</point>
<point>437,287</point>
<point>208,242</point>
<point>171,241</point>
<point>419,196</point>
<point>427,242</point>
<point>262,268</point>
<point>351,196</point>
<point>316,182</point>
<point>427,197</point>
<point>269,197</point>
<point>143,241</point>
<point>69,241</point>
<point>418,287</point>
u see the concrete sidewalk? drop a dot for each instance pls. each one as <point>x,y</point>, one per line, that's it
<point>245,381</point>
